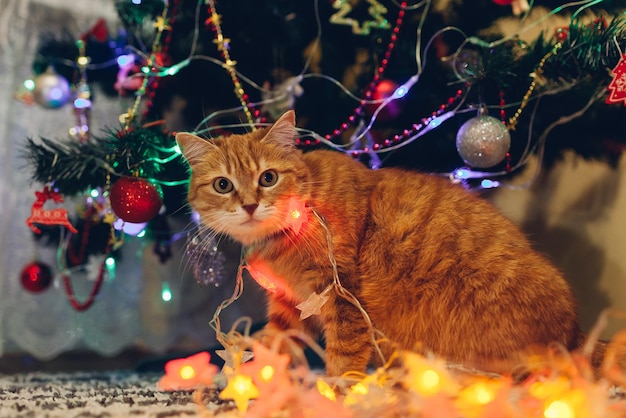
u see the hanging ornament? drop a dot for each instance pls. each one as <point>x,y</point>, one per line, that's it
<point>468,65</point>
<point>39,215</point>
<point>483,141</point>
<point>51,90</point>
<point>561,33</point>
<point>282,97</point>
<point>134,199</point>
<point>36,277</point>
<point>383,90</point>
<point>205,260</point>
<point>128,76</point>
<point>375,10</point>
<point>82,97</point>
<point>617,86</point>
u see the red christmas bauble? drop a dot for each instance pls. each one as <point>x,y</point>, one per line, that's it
<point>383,90</point>
<point>134,199</point>
<point>36,276</point>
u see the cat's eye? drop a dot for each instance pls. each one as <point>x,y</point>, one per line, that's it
<point>268,178</point>
<point>222,185</point>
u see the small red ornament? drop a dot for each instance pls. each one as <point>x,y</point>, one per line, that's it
<point>383,90</point>
<point>36,277</point>
<point>39,215</point>
<point>561,33</point>
<point>617,86</point>
<point>134,199</point>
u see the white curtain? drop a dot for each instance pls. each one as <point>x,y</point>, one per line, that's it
<point>129,309</point>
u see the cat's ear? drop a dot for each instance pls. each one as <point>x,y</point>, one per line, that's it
<point>283,131</point>
<point>192,147</point>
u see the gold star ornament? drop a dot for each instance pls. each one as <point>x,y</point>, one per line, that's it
<point>375,9</point>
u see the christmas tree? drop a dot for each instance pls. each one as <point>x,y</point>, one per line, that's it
<point>468,90</point>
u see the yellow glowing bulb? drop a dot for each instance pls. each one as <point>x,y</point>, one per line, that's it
<point>187,372</point>
<point>326,391</point>
<point>559,409</point>
<point>267,373</point>
<point>359,389</point>
<point>482,394</point>
<point>430,379</point>
<point>240,389</point>
<point>295,214</point>
<point>242,384</point>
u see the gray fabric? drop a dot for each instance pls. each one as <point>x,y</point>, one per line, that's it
<point>98,394</point>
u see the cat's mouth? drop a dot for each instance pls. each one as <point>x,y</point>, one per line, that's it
<point>251,222</point>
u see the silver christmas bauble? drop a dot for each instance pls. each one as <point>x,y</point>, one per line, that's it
<point>206,260</point>
<point>468,65</point>
<point>483,141</point>
<point>51,90</point>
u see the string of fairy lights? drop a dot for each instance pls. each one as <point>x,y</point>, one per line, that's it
<point>264,380</point>
<point>425,383</point>
<point>353,135</point>
<point>355,146</point>
<point>359,141</point>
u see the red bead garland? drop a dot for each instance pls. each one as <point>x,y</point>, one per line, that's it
<point>373,84</point>
<point>69,291</point>
<point>507,156</point>
<point>377,78</point>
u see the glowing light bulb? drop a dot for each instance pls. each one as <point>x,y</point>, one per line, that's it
<point>489,184</point>
<point>29,84</point>
<point>482,394</point>
<point>325,390</point>
<point>359,389</point>
<point>296,214</point>
<point>171,71</point>
<point>124,60</point>
<point>82,103</point>
<point>400,92</point>
<point>130,228</point>
<point>461,173</point>
<point>559,409</point>
<point>110,262</point>
<point>260,274</point>
<point>166,293</point>
<point>240,389</point>
<point>430,380</point>
<point>187,372</point>
<point>267,372</point>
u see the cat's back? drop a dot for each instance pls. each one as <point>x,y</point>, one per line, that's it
<point>338,179</point>
<point>470,270</point>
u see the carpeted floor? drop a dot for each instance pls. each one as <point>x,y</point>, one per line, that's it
<point>98,395</point>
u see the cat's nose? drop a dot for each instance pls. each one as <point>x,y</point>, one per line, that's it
<point>250,208</point>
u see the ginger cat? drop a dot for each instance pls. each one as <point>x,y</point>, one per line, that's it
<point>432,265</point>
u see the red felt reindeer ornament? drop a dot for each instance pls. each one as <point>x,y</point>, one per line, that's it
<point>56,216</point>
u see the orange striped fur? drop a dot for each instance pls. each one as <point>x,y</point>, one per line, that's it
<point>435,267</point>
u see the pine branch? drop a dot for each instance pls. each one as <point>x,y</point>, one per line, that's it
<point>76,167</point>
